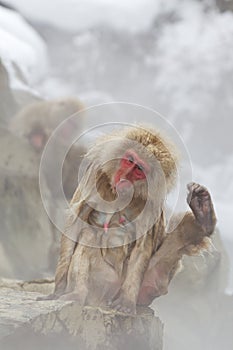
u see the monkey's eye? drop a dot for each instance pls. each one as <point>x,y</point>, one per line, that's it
<point>139,167</point>
<point>130,159</point>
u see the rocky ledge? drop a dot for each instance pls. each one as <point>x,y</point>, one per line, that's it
<point>29,324</point>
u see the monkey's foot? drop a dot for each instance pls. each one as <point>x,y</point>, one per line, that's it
<point>201,204</point>
<point>124,305</point>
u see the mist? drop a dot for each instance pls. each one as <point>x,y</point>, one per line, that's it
<point>171,57</point>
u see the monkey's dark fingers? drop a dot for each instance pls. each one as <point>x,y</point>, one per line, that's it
<point>126,310</point>
<point>197,191</point>
<point>191,188</point>
<point>192,185</point>
<point>123,309</point>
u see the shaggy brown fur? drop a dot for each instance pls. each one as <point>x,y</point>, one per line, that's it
<point>131,263</point>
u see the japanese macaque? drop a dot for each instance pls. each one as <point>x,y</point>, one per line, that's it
<point>25,232</point>
<point>36,122</point>
<point>120,255</point>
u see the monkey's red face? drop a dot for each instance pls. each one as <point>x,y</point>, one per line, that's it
<point>132,168</point>
<point>37,139</point>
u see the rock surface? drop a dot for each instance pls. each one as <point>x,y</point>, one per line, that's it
<point>29,324</point>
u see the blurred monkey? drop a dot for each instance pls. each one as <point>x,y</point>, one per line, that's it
<point>36,123</point>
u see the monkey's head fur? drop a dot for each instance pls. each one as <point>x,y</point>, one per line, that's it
<point>161,149</point>
<point>155,149</point>
<point>43,117</point>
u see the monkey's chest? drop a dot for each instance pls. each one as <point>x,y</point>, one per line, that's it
<point>107,221</point>
<point>116,229</point>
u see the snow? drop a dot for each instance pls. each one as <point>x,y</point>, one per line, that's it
<point>21,46</point>
<point>132,15</point>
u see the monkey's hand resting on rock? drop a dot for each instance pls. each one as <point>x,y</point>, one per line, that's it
<point>188,238</point>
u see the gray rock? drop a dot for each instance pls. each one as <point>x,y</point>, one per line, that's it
<point>29,324</point>
<point>43,286</point>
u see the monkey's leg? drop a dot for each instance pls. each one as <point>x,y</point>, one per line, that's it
<point>138,263</point>
<point>66,252</point>
<point>188,238</point>
<point>161,269</point>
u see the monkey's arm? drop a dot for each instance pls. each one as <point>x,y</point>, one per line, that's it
<point>66,252</point>
<point>68,246</point>
<point>73,229</point>
<point>189,237</point>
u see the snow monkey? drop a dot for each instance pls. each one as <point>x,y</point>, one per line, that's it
<point>37,121</point>
<point>121,256</point>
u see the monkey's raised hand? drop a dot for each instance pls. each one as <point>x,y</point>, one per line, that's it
<point>201,204</point>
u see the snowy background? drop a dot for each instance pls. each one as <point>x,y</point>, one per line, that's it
<point>173,56</point>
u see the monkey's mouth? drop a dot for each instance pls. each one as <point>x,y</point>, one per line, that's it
<point>123,186</point>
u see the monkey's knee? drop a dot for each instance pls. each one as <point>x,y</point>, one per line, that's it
<point>155,283</point>
<point>147,294</point>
